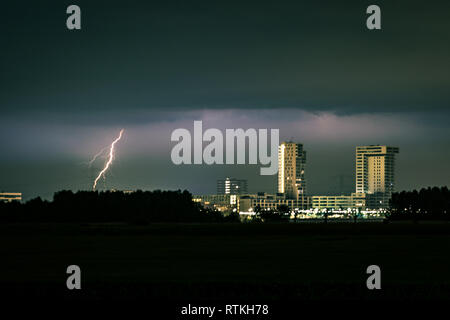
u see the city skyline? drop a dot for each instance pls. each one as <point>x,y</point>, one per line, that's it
<point>272,188</point>
<point>374,183</point>
<point>312,70</point>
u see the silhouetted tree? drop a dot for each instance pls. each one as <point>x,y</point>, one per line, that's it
<point>325,216</point>
<point>284,211</point>
<point>271,215</point>
<point>426,204</point>
<point>91,206</point>
<point>257,216</point>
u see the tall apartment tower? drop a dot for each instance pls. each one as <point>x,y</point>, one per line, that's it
<point>291,170</point>
<point>375,168</point>
<point>231,186</point>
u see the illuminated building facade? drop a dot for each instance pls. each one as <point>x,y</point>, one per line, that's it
<point>375,173</point>
<point>231,186</point>
<point>10,196</point>
<point>291,170</point>
<point>271,202</point>
<point>353,201</point>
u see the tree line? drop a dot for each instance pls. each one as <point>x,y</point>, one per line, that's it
<point>426,204</point>
<point>143,207</point>
<point>138,207</point>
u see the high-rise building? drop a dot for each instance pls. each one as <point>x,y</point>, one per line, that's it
<point>231,186</point>
<point>291,170</point>
<point>375,168</point>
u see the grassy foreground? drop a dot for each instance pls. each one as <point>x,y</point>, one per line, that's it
<point>222,261</point>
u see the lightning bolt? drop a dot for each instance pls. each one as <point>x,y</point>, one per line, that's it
<point>110,160</point>
<point>90,162</point>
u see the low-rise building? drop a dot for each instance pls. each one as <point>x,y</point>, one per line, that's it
<point>10,196</point>
<point>271,201</point>
<point>353,201</point>
<point>221,202</point>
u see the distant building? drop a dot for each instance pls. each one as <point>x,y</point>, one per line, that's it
<point>248,202</point>
<point>271,201</point>
<point>221,202</point>
<point>353,201</point>
<point>375,174</point>
<point>10,196</point>
<point>291,170</point>
<point>375,166</point>
<point>123,191</point>
<point>231,186</point>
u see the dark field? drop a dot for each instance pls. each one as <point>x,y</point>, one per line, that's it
<point>227,261</point>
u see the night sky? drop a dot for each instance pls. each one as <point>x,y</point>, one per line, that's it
<point>309,68</point>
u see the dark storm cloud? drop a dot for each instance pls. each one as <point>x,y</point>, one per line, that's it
<point>183,55</point>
